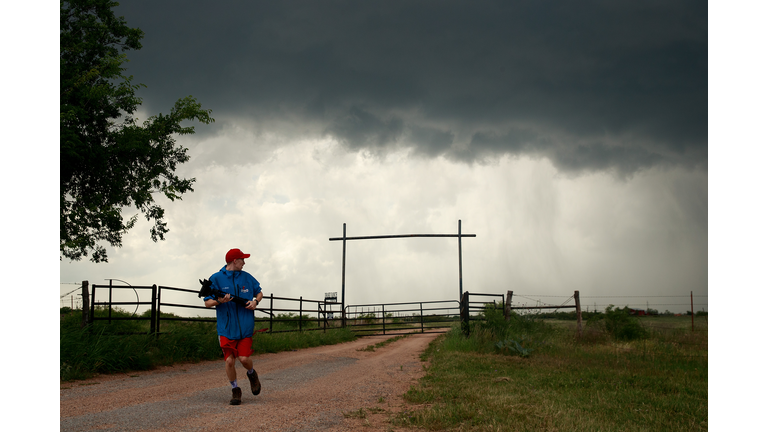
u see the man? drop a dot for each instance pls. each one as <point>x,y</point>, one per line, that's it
<point>235,319</point>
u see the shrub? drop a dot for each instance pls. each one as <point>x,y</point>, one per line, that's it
<point>493,333</point>
<point>618,323</point>
<point>512,347</point>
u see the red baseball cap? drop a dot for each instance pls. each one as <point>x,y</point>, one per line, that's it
<point>234,254</point>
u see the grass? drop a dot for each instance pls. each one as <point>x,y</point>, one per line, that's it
<point>655,380</point>
<point>526,374</point>
<point>384,343</point>
<point>125,345</point>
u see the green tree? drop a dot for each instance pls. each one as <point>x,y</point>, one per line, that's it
<point>108,161</point>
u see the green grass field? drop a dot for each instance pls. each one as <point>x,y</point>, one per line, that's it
<point>551,380</point>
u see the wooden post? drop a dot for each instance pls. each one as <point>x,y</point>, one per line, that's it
<point>464,313</point>
<point>508,306</point>
<point>692,313</point>
<point>86,305</point>
<point>578,311</point>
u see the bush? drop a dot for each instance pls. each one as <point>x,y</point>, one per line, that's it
<point>619,324</point>
<point>492,333</point>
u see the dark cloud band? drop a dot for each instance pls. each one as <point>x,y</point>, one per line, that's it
<point>593,85</point>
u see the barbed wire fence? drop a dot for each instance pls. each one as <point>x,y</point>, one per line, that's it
<point>694,343</point>
<point>590,303</point>
<point>72,299</point>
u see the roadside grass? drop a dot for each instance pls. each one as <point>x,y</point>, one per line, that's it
<point>115,347</point>
<point>600,382</point>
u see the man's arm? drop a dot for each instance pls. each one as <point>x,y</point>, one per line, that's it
<point>215,302</point>
<point>255,302</point>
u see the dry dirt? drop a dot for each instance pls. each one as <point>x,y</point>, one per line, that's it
<point>315,389</point>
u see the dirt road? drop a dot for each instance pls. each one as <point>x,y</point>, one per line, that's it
<point>305,390</point>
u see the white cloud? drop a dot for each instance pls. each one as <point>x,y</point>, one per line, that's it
<point>537,231</point>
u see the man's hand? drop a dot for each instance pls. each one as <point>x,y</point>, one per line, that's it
<point>224,299</point>
<point>251,305</point>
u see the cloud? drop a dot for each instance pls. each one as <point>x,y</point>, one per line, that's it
<point>538,231</point>
<point>591,86</point>
<point>359,129</point>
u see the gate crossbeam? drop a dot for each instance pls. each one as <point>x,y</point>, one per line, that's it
<point>400,236</point>
<point>344,239</point>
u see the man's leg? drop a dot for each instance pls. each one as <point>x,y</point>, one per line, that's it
<point>252,377</point>
<point>229,365</point>
<point>246,362</point>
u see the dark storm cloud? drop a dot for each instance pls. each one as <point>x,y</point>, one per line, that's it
<point>590,85</point>
<point>361,129</point>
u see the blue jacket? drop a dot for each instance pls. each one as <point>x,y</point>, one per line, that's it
<point>234,321</point>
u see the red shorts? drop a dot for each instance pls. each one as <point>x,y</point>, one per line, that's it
<point>238,348</point>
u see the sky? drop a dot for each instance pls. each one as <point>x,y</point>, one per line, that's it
<point>570,138</point>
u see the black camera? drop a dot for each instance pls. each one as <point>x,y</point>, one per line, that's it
<point>207,290</point>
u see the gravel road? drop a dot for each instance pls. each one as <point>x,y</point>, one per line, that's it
<point>305,390</point>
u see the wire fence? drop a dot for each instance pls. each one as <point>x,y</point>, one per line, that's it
<point>673,304</point>
<point>669,304</point>
<point>72,299</point>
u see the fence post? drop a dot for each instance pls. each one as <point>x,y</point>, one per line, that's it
<point>301,312</point>
<point>86,307</point>
<point>325,316</point>
<point>383,320</point>
<point>508,306</point>
<point>271,312</point>
<point>464,313</point>
<point>421,315</point>
<point>93,304</point>
<point>319,312</point>
<point>578,311</point>
<point>692,313</point>
<point>109,314</point>
<point>154,314</point>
